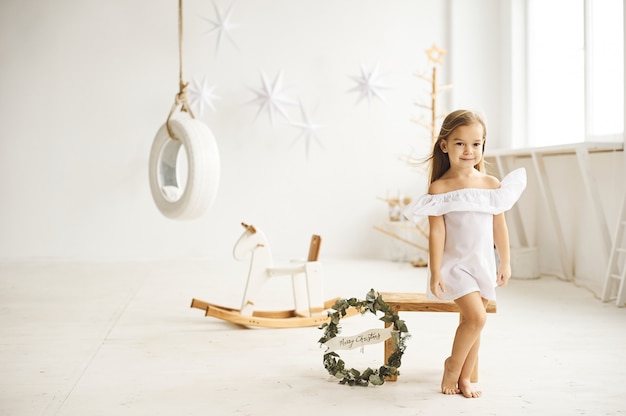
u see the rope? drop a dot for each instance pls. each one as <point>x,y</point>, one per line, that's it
<point>181,98</point>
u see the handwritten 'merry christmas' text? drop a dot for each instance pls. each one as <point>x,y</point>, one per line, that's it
<point>371,336</point>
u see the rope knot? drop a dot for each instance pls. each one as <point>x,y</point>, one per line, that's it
<point>181,97</point>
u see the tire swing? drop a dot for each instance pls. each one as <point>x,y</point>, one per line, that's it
<point>201,151</point>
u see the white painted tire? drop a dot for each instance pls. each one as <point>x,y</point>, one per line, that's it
<point>203,169</point>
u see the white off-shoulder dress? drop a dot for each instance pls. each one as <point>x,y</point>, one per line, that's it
<point>468,263</point>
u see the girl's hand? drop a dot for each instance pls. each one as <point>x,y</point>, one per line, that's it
<point>504,274</point>
<point>436,284</point>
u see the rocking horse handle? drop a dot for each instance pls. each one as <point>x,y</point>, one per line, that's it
<point>249,227</point>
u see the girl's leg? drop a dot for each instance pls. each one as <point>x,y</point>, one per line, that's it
<point>467,334</point>
<point>465,383</point>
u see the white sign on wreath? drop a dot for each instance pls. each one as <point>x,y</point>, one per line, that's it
<point>369,337</point>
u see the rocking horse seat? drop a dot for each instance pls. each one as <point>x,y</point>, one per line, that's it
<point>306,277</point>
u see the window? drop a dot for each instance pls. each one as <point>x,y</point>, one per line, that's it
<point>605,102</point>
<point>575,71</point>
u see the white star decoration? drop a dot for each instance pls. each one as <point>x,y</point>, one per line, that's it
<point>200,94</point>
<point>221,25</point>
<point>271,97</point>
<point>369,85</point>
<point>308,130</point>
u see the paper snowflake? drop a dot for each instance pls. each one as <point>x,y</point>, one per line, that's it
<point>222,25</point>
<point>271,97</point>
<point>308,130</point>
<point>200,95</point>
<point>369,85</point>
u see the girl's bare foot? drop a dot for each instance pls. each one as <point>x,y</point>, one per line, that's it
<point>466,388</point>
<point>449,381</point>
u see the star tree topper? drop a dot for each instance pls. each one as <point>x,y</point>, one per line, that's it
<point>435,55</point>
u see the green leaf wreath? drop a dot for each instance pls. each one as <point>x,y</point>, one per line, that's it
<point>337,367</point>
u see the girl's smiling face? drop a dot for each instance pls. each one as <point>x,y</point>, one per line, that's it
<point>464,145</point>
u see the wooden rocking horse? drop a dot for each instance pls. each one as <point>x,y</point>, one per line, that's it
<point>306,277</point>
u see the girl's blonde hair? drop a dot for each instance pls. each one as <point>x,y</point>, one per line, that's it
<point>439,161</point>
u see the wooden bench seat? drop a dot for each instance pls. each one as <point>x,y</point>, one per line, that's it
<point>417,302</point>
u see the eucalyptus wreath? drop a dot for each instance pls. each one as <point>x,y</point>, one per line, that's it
<point>337,367</point>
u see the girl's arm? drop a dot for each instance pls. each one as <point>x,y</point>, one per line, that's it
<point>436,240</point>
<point>501,240</point>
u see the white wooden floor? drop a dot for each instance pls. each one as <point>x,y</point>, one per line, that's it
<point>120,339</point>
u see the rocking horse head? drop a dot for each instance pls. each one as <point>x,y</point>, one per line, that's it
<point>250,240</point>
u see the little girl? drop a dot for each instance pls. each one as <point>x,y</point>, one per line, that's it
<point>465,209</point>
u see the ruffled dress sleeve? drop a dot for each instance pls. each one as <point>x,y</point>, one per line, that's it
<point>492,201</point>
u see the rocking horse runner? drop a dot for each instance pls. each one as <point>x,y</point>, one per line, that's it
<point>306,277</point>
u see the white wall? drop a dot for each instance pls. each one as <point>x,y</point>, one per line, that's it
<point>86,85</point>
<point>476,64</point>
<point>582,229</point>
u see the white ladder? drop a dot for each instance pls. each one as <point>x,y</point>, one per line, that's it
<point>616,270</point>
